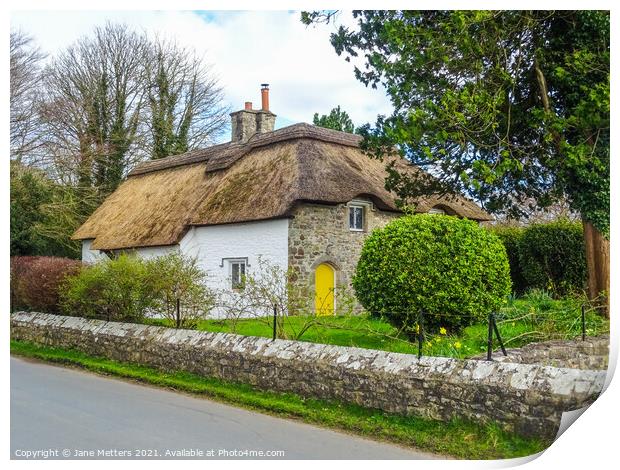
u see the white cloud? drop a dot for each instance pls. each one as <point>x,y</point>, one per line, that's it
<point>245,49</point>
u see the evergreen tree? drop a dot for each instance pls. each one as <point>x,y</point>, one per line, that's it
<point>509,107</point>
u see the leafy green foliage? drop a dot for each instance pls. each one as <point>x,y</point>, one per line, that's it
<point>552,257</point>
<point>177,277</point>
<point>119,289</point>
<point>509,107</point>
<point>183,101</point>
<point>547,256</point>
<point>45,214</point>
<point>128,288</point>
<point>336,119</point>
<point>68,208</point>
<point>31,190</point>
<point>35,281</point>
<point>511,238</point>
<point>532,318</point>
<point>450,268</point>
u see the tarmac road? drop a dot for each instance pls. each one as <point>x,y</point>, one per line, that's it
<point>60,413</point>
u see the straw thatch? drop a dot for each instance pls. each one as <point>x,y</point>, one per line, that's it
<point>261,179</point>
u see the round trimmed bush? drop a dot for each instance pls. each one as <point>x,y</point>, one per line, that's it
<point>450,268</point>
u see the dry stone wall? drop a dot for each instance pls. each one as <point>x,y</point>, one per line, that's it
<point>591,354</point>
<point>525,398</point>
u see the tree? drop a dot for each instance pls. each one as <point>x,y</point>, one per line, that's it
<point>94,94</point>
<point>29,190</point>
<point>508,107</point>
<point>336,119</point>
<point>110,100</point>
<point>117,97</point>
<point>184,100</point>
<point>25,82</point>
<point>44,214</point>
<point>68,208</point>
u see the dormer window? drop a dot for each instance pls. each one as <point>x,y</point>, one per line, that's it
<point>356,218</point>
<point>437,210</point>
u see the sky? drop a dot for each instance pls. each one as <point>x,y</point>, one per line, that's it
<point>244,49</point>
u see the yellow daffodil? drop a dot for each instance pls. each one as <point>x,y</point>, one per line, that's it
<point>442,331</point>
<point>457,345</point>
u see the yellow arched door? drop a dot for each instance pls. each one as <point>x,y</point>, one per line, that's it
<point>324,289</point>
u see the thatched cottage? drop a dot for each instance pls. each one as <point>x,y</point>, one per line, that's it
<point>300,197</point>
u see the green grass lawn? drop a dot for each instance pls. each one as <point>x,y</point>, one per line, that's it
<point>533,318</point>
<point>457,438</point>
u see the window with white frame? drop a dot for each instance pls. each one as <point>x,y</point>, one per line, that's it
<point>356,218</point>
<point>237,274</point>
<point>437,210</point>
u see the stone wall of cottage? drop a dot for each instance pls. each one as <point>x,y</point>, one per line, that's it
<point>525,398</point>
<point>320,234</point>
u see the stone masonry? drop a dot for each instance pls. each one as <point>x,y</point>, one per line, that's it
<point>591,354</point>
<point>320,234</point>
<point>525,398</point>
<point>247,122</point>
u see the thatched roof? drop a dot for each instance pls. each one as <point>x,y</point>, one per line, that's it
<point>262,179</point>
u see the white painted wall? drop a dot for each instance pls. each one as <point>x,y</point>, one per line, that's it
<point>92,256</point>
<point>210,245</point>
<point>89,255</point>
<point>267,239</point>
<point>150,252</point>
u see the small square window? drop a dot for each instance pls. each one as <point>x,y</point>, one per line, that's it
<point>237,274</point>
<point>356,218</point>
<point>437,210</point>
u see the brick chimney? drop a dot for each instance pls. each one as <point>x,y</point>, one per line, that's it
<point>248,121</point>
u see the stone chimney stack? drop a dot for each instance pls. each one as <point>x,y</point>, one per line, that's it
<point>248,121</point>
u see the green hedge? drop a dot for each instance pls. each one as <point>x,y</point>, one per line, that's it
<point>450,268</point>
<point>552,257</point>
<point>548,256</point>
<point>511,238</point>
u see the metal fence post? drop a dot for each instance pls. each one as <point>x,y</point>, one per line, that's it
<point>420,332</point>
<point>499,338</point>
<point>275,319</point>
<point>583,322</point>
<point>490,339</point>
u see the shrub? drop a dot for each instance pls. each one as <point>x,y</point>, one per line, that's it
<point>265,287</point>
<point>450,268</point>
<point>511,238</point>
<point>178,278</point>
<point>118,289</point>
<point>35,281</point>
<point>552,257</point>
